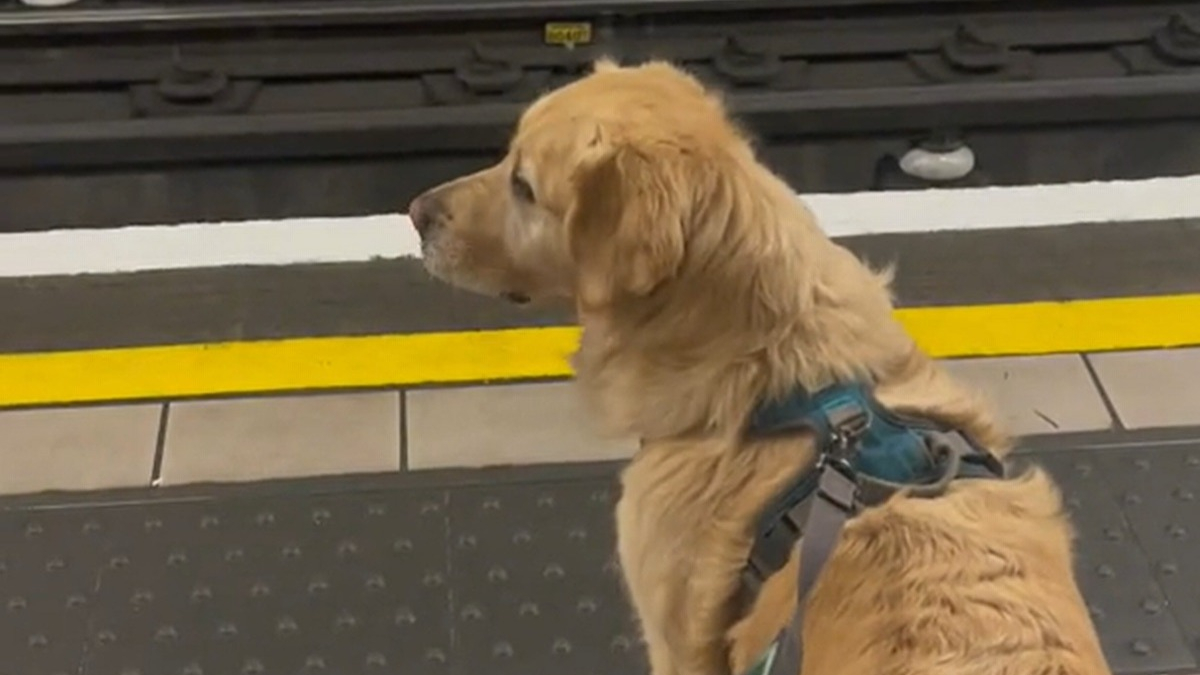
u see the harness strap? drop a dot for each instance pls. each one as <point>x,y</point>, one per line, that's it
<point>836,502</point>
<point>837,426</point>
<point>950,452</point>
<point>951,456</point>
<point>839,495</point>
<point>865,455</point>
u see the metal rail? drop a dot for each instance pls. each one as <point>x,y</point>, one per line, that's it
<point>397,87</point>
<point>322,12</point>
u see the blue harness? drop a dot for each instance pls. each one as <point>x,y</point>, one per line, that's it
<point>865,454</point>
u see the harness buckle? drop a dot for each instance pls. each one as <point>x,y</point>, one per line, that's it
<point>772,547</point>
<point>848,423</point>
<point>833,479</point>
<point>839,486</point>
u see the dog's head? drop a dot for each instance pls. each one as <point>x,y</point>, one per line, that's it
<point>601,190</point>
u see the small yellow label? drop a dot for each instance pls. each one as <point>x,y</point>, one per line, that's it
<point>568,33</point>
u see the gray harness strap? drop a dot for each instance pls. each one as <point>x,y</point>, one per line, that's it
<point>839,496</point>
<point>836,502</point>
<point>861,448</point>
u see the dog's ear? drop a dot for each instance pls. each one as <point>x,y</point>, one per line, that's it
<point>627,223</point>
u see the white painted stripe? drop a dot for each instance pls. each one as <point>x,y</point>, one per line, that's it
<point>159,247</point>
<point>1007,207</point>
<point>325,240</point>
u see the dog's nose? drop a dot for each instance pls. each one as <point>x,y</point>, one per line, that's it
<point>423,212</point>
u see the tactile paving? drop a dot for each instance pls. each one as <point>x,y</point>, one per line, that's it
<point>504,574</point>
<point>536,584</point>
<point>1158,493</point>
<point>1128,605</point>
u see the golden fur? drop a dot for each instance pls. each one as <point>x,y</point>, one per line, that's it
<point>702,285</point>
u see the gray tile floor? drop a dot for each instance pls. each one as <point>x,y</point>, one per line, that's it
<point>247,439</point>
<point>1152,388</point>
<point>83,448</point>
<point>281,437</point>
<point>503,424</point>
<point>1038,394</point>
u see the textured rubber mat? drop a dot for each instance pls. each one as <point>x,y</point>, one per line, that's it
<point>497,572</point>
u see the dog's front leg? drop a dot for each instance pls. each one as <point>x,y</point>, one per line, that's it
<point>661,661</point>
<point>659,575</point>
<point>648,592</point>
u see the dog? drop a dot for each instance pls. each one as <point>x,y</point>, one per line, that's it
<point>704,286</point>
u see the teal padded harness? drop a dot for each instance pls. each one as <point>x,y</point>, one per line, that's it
<point>865,454</point>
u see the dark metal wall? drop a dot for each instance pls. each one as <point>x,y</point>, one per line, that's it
<point>345,187</point>
<point>114,114</point>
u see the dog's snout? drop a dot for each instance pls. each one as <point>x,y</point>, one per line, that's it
<point>424,213</point>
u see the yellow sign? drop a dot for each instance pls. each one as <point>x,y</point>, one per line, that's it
<point>568,33</point>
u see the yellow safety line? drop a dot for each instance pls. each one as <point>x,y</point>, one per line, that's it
<point>174,371</point>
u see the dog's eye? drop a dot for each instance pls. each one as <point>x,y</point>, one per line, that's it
<point>521,188</point>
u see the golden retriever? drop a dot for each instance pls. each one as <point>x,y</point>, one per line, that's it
<point>703,285</point>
